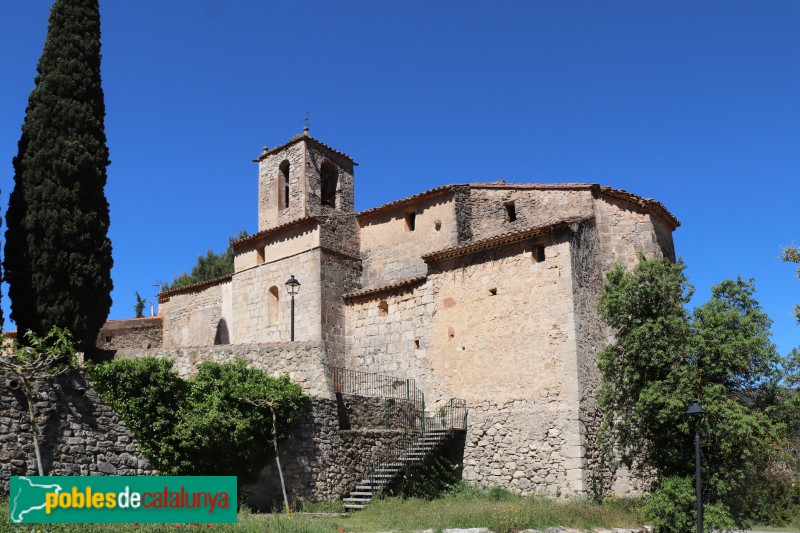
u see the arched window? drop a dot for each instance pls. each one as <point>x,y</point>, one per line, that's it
<point>329,177</point>
<point>283,185</point>
<point>273,305</point>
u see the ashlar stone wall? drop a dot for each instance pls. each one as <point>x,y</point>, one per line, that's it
<point>503,339</point>
<point>198,317</point>
<point>80,435</point>
<point>388,332</point>
<point>390,251</point>
<point>252,321</point>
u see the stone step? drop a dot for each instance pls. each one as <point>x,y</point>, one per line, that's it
<point>357,500</point>
<point>353,507</point>
<point>361,494</point>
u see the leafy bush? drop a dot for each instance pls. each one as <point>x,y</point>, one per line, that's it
<point>216,423</point>
<point>223,426</point>
<point>672,508</point>
<point>148,395</point>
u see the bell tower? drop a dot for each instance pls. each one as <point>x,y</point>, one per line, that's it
<point>303,178</point>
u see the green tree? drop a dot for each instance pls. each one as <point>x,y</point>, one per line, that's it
<point>664,358</point>
<point>57,252</point>
<point>209,266</point>
<point>139,306</point>
<point>791,254</point>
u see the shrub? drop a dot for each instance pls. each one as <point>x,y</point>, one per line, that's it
<point>216,423</point>
<point>672,508</point>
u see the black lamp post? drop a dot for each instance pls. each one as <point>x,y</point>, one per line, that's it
<point>696,412</point>
<point>293,286</point>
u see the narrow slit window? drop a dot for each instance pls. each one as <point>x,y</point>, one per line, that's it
<point>383,308</point>
<point>260,255</point>
<point>511,212</point>
<point>538,254</point>
<point>411,220</point>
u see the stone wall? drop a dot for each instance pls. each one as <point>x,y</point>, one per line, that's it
<point>305,158</point>
<point>592,335</point>
<point>623,232</point>
<point>252,322</point>
<point>339,274</point>
<point>302,361</point>
<point>143,333</point>
<point>79,434</point>
<point>391,251</point>
<point>320,462</point>
<point>272,210</point>
<point>316,155</point>
<point>394,341</point>
<point>361,412</point>
<point>197,316</point>
<point>465,332</point>
<point>503,339</point>
<point>532,207</point>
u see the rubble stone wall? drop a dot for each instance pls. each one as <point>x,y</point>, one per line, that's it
<point>320,462</point>
<point>531,207</point>
<point>142,333</point>
<point>302,361</point>
<point>80,435</point>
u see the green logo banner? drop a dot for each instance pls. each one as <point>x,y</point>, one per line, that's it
<point>122,499</point>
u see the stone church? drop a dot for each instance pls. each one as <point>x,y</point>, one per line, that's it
<point>484,292</point>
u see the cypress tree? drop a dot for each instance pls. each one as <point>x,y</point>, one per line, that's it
<point>57,252</point>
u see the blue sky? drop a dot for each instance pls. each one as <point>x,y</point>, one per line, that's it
<point>696,104</point>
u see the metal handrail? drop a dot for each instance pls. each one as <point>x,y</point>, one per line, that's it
<point>356,382</point>
<point>450,417</point>
<point>396,451</point>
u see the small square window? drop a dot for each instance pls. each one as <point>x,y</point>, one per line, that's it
<point>411,220</point>
<point>511,212</point>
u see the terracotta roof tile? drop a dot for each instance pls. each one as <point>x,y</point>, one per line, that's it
<point>271,231</point>
<point>296,139</point>
<point>386,288</point>
<point>409,199</point>
<point>194,287</point>
<point>501,240</point>
<point>647,204</point>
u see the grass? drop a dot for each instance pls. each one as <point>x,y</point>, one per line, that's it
<point>497,509</point>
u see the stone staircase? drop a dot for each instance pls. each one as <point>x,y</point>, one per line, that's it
<point>423,432</point>
<point>400,456</point>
